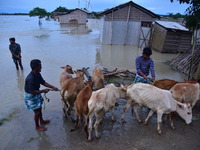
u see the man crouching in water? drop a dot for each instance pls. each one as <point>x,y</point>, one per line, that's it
<point>32,95</point>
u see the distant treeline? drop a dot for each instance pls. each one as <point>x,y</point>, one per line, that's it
<point>14,13</point>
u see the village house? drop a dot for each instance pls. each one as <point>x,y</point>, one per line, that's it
<point>170,37</point>
<point>77,16</point>
<point>127,24</point>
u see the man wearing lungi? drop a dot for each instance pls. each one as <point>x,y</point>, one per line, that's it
<point>144,64</point>
<point>15,50</point>
<point>32,96</point>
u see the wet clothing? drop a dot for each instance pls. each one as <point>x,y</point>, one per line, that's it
<point>139,79</point>
<point>15,49</point>
<point>33,101</point>
<point>32,83</point>
<point>145,66</point>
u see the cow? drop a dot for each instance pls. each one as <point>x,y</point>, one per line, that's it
<point>82,104</point>
<point>98,78</point>
<point>66,74</point>
<point>157,100</point>
<point>186,93</point>
<point>70,90</point>
<point>167,84</point>
<point>100,102</point>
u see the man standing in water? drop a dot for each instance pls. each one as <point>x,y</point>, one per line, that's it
<point>32,94</point>
<point>144,64</point>
<point>15,50</point>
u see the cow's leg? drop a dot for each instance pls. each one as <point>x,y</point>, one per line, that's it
<point>135,106</point>
<point>159,120</point>
<point>90,126</point>
<point>149,115</point>
<point>171,121</point>
<point>64,109</point>
<point>128,104</point>
<point>112,112</point>
<point>98,120</point>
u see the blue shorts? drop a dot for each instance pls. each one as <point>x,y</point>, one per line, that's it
<point>33,101</point>
<point>139,79</point>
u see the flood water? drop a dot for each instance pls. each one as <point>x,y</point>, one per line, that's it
<point>56,46</point>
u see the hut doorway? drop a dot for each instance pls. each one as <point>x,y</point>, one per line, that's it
<point>145,34</point>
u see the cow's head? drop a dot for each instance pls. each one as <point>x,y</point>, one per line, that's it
<point>185,111</point>
<point>89,83</point>
<point>122,91</point>
<point>68,69</point>
<point>79,73</point>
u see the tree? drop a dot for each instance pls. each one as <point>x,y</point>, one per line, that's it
<point>193,23</point>
<point>61,9</point>
<point>41,13</point>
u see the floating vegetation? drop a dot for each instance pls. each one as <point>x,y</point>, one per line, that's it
<point>34,139</point>
<point>9,117</point>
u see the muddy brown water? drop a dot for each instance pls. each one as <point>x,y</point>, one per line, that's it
<point>57,46</point>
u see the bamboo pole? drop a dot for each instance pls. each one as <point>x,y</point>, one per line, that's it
<point>126,28</point>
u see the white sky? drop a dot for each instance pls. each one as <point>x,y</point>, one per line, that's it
<point>24,6</point>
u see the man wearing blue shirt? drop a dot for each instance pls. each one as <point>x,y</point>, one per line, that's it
<point>32,95</point>
<point>144,64</point>
<point>15,50</point>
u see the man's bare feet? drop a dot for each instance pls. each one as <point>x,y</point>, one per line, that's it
<point>41,128</point>
<point>43,122</point>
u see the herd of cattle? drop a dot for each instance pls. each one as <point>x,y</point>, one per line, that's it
<point>94,99</point>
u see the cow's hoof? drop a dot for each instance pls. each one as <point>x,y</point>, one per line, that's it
<point>173,127</point>
<point>140,121</point>
<point>123,121</point>
<point>146,122</point>
<point>98,137</point>
<point>159,132</point>
<point>113,120</point>
<point>71,130</point>
<point>89,139</point>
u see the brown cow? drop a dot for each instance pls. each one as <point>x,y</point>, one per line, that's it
<point>167,84</point>
<point>70,90</point>
<point>65,75</point>
<point>82,104</point>
<point>186,93</point>
<point>98,78</point>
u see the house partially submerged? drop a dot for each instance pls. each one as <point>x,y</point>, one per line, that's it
<point>77,16</point>
<point>128,24</point>
<point>170,37</point>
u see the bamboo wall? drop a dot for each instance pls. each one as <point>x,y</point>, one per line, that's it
<point>170,41</point>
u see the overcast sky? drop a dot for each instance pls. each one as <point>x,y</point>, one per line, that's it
<point>24,6</point>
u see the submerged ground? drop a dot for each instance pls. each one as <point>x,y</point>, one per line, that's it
<point>57,46</point>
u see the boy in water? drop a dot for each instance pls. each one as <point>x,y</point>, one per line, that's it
<point>144,64</point>
<point>15,50</point>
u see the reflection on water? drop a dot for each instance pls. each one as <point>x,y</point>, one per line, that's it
<point>20,81</point>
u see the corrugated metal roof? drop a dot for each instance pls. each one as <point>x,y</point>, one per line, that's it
<point>172,25</point>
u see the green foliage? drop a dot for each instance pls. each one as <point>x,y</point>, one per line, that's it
<point>193,13</point>
<point>61,9</point>
<point>41,13</point>
<point>175,16</point>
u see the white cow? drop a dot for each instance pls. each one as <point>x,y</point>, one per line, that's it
<point>100,102</point>
<point>158,100</point>
<point>186,93</point>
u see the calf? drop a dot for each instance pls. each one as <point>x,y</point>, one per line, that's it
<point>70,90</point>
<point>186,93</point>
<point>100,102</point>
<point>82,104</point>
<point>158,100</point>
<point>98,78</point>
<point>65,75</point>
